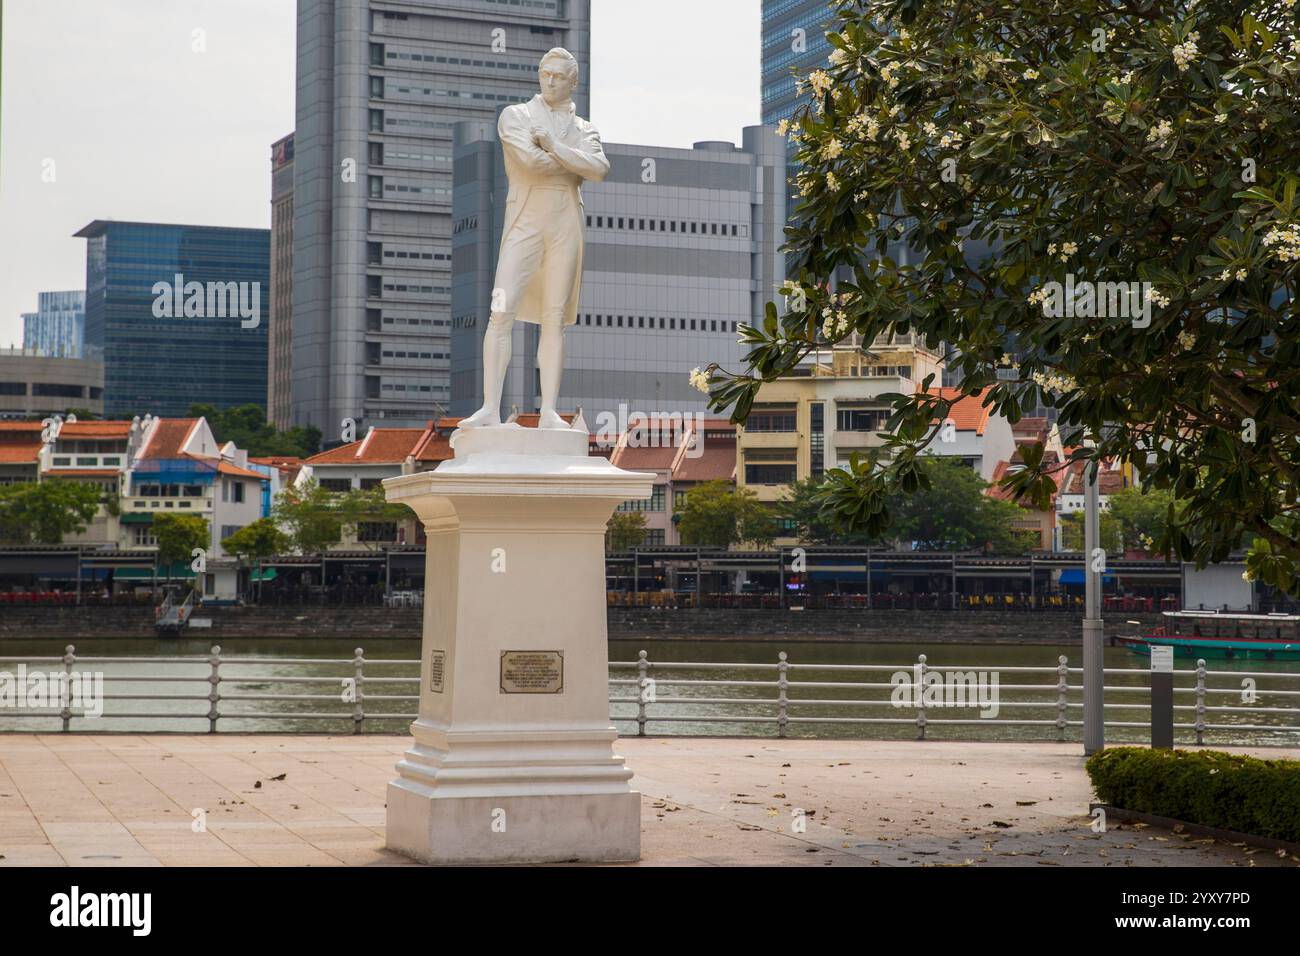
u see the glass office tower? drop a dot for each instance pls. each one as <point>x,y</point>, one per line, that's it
<point>177,314</point>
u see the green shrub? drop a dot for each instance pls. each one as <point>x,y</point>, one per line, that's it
<point>1209,787</point>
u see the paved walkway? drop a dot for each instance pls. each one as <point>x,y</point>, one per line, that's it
<point>297,800</point>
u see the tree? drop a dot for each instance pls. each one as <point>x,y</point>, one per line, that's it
<point>261,539</point>
<point>365,505</point>
<point>625,531</point>
<point>310,517</point>
<point>813,521</point>
<point>178,537</point>
<point>1141,515</point>
<point>951,512</point>
<point>247,427</point>
<point>1018,150</point>
<point>716,515</point>
<point>1112,532</point>
<point>43,512</point>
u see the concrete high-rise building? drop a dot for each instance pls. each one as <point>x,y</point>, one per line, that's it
<point>58,326</point>
<point>681,247</point>
<point>380,89</point>
<point>279,374</point>
<point>177,314</point>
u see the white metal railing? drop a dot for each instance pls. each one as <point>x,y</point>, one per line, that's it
<point>779,695</point>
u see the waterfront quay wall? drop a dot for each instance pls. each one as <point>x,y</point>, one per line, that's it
<point>361,624</point>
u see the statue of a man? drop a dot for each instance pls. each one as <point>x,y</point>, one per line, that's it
<point>549,151</point>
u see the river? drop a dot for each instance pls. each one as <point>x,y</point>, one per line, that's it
<point>183,682</point>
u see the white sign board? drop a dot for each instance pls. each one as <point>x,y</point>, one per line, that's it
<point>1162,659</point>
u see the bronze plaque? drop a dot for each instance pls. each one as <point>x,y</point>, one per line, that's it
<point>437,670</point>
<point>532,672</point>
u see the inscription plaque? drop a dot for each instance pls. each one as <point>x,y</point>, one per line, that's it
<point>532,672</point>
<point>437,670</point>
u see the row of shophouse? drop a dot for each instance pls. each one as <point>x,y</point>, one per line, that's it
<point>834,405</point>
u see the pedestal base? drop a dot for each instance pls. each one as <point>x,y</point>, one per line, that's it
<point>513,754</point>
<point>558,828</point>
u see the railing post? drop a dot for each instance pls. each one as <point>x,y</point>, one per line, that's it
<point>782,717</point>
<point>358,672</point>
<point>69,658</point>
<point>214,691</point>
<point>918,693</point>
<point>642,665</point>
<point>1062,694</point>
<point>1200,702</point>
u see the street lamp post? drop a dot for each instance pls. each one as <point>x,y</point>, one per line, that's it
<point>1094,732</point>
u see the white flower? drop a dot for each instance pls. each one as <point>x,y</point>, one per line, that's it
<point>838,57</point>
<point>1185,52</point>
<point>1288,241</point>
<point>831,182</point>
<point>699,381</point>
<point>1295,44</point>
<point>930,129</point>
<point>783,127</point>
<point>1153,295</point>
<point>1159,134</point>
<point>1241,275</point>
<point>1220,117</point>
<point>820,81</point>
<point>1030,74</point>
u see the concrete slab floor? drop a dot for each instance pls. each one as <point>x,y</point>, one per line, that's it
<point>130,800</point>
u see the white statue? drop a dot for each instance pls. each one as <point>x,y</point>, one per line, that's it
<point>549,151</point>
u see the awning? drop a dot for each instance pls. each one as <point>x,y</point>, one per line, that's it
<point>137,517</point>
<point>1076,576</point>
<point>146,574</point>
<point>266,574</point>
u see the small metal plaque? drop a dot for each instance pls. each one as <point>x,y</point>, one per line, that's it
<point>1162,659</point>
<point>437,670</point>
<point>532,672</point>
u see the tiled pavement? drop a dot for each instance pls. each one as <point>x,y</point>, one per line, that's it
<point>117,800</point>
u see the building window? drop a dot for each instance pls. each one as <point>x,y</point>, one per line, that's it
<point>377,87</point>
<point>654,503</point>
<point>771,418</point>
<point>817,439</point>
<point>769,474</point>
<point>376,121</point>
<point>336,485</point>
<point>860,419</point>
<point>144,537</point>
<point>376,531</point>
<point>238,492</point>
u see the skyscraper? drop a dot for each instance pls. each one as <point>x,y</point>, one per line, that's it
<point>177,314</point>
<point>279,375</point>
<point>681,247</point>
<point>379,92</point>
<point>58,326</point>
<point>794,38</point>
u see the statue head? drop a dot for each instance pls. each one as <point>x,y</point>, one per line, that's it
<point>557,76</point>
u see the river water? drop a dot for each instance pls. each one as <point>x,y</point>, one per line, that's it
<point>252,669</point>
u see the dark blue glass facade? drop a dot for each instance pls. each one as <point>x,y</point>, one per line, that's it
<point>161,364</point>
<point>781,21</point>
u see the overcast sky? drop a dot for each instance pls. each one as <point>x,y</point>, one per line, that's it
<point>109,99</point>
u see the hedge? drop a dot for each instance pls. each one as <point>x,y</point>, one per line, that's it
<point>1207,787</point>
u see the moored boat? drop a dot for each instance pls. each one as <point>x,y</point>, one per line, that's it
<point>1210,634</point>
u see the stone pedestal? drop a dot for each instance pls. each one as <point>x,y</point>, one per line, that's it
<point>513,758</point>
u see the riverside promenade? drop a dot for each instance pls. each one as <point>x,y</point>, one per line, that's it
<point>298,800</point>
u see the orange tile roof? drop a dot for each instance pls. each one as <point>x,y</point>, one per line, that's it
<point>1109,480</point>
<point>21,427</point>
<point>381,446</point>
<point>282,463</point>
<point>19,453</point>
<point>169,437</point>
<point>82,473</point>
<point>717,463</point>
<point>967,412</point>
<point>95,430</point>
<point>226,468</point>
<point>644,458</point>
